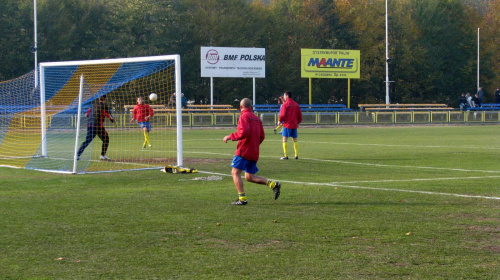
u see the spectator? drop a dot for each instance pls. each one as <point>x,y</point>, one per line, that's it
<point>497,95</point>
<point>184,101</point>
<point>173,100</point>
<point>470,103</point>
<point>476,100</point>
<point>462,102</point>
<point>480,96</point>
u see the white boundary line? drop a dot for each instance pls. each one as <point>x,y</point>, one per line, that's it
<point>341,185</point>
<point>478,147</point>
<point>403,166</point>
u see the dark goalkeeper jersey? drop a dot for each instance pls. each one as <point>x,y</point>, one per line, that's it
<point>95,115</point>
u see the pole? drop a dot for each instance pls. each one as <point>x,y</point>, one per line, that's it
<point>348,92</point>
<point>35,47</point>
<point>478,57</point>
<point>253,90</point>
<point>212,92</point>
<point>387,99</point>
<point>178,110</point>
<point>310,91</point>
<point>43,120</point>
<point>78,122</point>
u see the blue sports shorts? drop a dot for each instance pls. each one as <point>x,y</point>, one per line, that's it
<point>249,166</point>
<point>288,132</point>
<point>146,125</point>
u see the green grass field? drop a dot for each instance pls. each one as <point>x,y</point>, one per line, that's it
<point>392,202</point>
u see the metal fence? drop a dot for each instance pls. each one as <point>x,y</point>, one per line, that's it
<point>217,119</point>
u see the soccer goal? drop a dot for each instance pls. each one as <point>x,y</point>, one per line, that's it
<point>44,128</point>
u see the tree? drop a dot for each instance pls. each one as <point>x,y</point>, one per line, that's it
<point>445,35</point>
<point>490,42</point>
<point>16,38</point>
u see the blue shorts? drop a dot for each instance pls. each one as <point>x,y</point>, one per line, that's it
<point>146,125</point>
<point>249,166</point>
<point>288,132</point>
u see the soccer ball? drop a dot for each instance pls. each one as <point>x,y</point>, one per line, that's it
<point>153,97</point>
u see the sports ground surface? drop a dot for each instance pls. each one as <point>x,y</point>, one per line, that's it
<point>362,202</point>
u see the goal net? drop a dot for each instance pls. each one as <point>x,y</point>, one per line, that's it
<point>44,128</point>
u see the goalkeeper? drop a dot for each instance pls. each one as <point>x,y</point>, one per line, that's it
<point>142,113</point>
<point>249,134</point>
<point>95,126</point>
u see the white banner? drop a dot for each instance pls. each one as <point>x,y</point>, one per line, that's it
<point>233,62</point>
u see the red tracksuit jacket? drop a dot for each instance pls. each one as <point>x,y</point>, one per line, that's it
<point>141,111</point>
<point>290,114</point>
<point>249,134</point>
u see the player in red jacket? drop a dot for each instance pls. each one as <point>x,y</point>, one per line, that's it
<point>249,134</point>
<point>142,113</point>
<point>291,116</point>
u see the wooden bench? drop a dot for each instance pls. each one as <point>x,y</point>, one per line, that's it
<point>303,107</point>
<point>404,107</point>
<point>190,108</point>
<point>208,106</point>
<point>208,110</point>
<point>130,107</point>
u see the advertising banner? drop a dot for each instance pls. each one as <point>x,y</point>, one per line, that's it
<point>233,62</point>
<point>330,64</point>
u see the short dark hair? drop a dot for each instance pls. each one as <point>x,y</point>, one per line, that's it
<point>288,93</point>
<point>246,102</point>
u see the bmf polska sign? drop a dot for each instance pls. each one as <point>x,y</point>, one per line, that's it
<point>332,64</point>
<point>233,62</point>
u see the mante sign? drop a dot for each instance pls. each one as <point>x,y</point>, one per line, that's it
<point>330,64</point>
<point>227,62</point>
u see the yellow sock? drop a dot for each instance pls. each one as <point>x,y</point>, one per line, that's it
<point>146,138</point>
<point>242,196</point>
<point>296,148</point>
<point>271,184</point>
<point>285,149</point>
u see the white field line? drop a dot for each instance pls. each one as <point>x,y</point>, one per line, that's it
<point>476,147</point>
<point>404,146</point>
<point>342,185</point>
<point>419,180</point>
<point>370,164</point>
<point>402,166</point>
<point>399,190</point>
